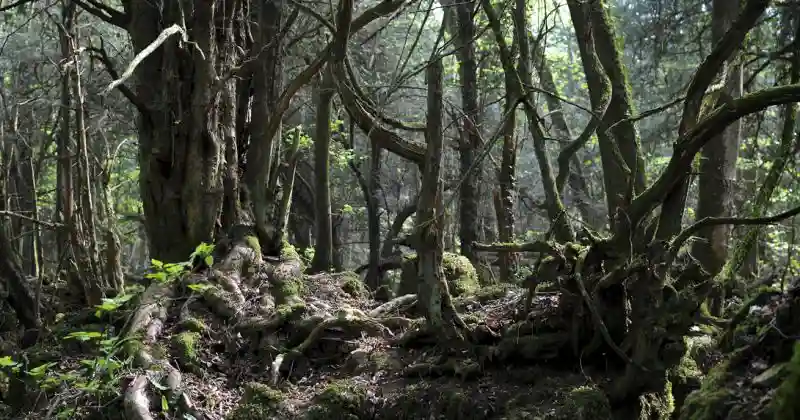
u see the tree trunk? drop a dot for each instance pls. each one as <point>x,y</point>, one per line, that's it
<point>470,140</point>
<point>718,164</point>
<point>623,167</point>
<point>576,180</point>
<point>188,118</point>
<point>323,250</point>
<point>434,296</point>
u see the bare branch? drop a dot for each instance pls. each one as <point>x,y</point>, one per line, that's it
<point>50,225</point>
<point>105,13</point>
<point>735,221</point>
<point>165,34</point>
<point>685,149</point>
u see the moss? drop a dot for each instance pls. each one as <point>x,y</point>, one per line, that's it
<point>289,252</point>
<point>492,292</point>
<point>339,400</point>
<point>353,286</point>
<point>462,279</point>
<point>685,377</point>
<point>193,324</point>
<point>586,402</point>
<point>252,242</point>
<point>786,403</point>
<point>289,310</point>
<point>708,402</point>
<point>259,402</point>
<point>291,287</point>
<point>185,344</point>
<point>657,405</point>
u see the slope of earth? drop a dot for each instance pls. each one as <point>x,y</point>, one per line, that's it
<point>252,339</point>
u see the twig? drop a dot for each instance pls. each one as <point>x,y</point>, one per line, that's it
<point>51,225</point>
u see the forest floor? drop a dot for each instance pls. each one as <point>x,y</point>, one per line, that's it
<point>356,373</point>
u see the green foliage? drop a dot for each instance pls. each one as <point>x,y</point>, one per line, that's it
<point>112,304</point>
<point>166,272</point>
<point>203,252</point>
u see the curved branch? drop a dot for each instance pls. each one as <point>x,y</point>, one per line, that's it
<point>105,13</point>
<point>685,149</point>
<point>165,34</point>
<point>381,9</point>
<point>711,66</point>
<point>368,123</point>
<point>370,105</point>
<point>15,4</point>
<point>735,221</point>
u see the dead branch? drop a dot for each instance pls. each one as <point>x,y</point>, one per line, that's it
<point>165,34</point>
<point>536,246</point>
<point>49,225</point>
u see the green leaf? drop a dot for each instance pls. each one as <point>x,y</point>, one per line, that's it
<point>199,287</point>
<point>164,404</point>
<point>83,335</point>
<point>209,260</point>
<point>6,361</point>
<point>40,370</point>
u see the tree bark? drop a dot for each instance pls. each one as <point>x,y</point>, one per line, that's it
<point>718,163</point>
<point>623,167</point>
<point>323,250</point>
<point>434,296</point>
<point>470,140</point>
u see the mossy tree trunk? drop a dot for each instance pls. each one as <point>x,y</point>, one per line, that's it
<point>623,167</point>
<point>518,76</point>
<point>323,250</point>
<point>718,163</point>
<point>434,295</point>
<point>576,180</point>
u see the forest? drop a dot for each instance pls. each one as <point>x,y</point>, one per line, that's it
<point>399,209</point>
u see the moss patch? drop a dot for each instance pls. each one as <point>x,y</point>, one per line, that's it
<point>492,292</point>
<point>193,324</point>
<point>709,401</point>
<point>252,242</point>
<point>462,279</point>
<point>185,346</point>
<point>352,285</point>
<point>586,402</point>
<point>259,402</point>
<point>340,400</point>
<point>786,403</point>
<point>685,378</point>
<point>291,310</point>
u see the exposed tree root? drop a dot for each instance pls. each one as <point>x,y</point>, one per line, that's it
<point>394,305</point>
<point>137,405</point>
